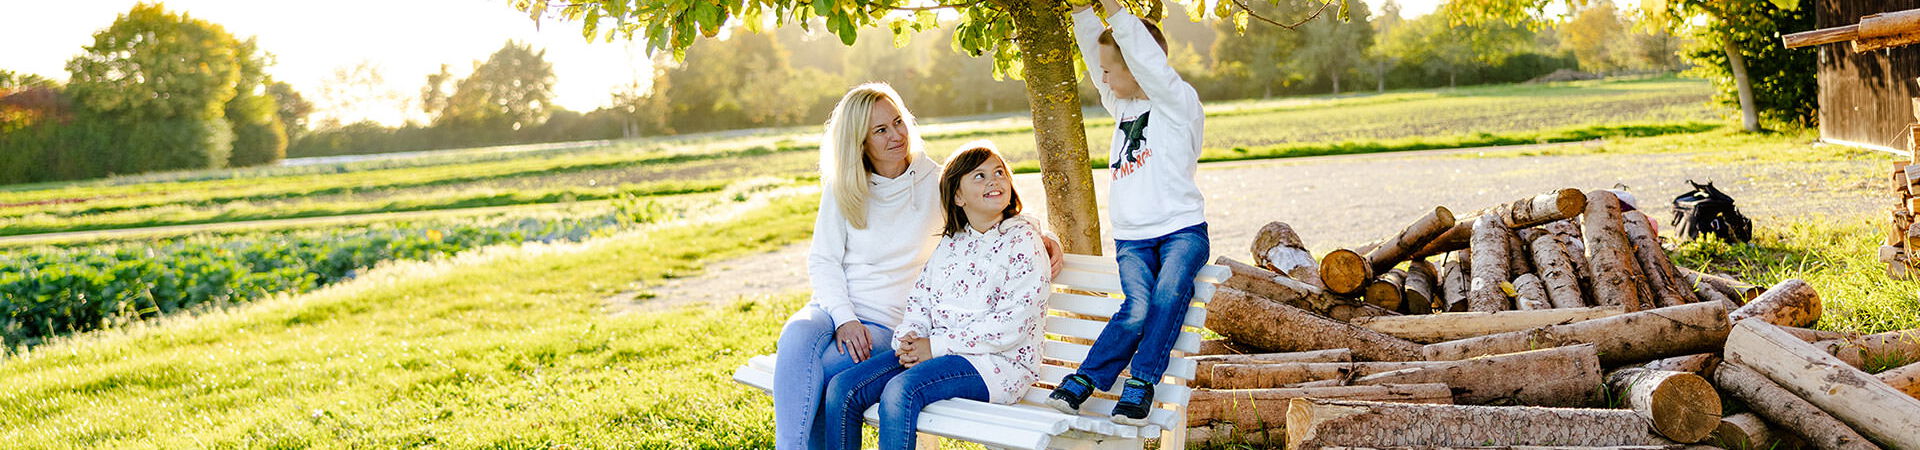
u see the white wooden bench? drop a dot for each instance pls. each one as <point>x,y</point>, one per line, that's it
<point>1089,287</point>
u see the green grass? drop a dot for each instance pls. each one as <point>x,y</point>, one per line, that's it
<point>505,348</point>
<point>1835,255</point>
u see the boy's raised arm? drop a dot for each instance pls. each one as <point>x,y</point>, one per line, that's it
<point>1150,68</point>
<point>1086,33</point>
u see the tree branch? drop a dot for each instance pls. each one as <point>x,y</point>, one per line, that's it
<point>932,7</point>
<point>1296,25</point>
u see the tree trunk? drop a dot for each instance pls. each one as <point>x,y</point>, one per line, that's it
<point>1790,303</point>
<point>1456,282</point>
<point>1746,431</point>
<point>1313,423</point>
<point>1889,346</point>
<point>1490,261</point>
<point>1905,378</point>
<point>1386,292</point>
<point>1336,82</point>
<point>1669,287</point>
<point>1253,409</point>
<point>1299,294</point>
<point>1444,327</point>
<point>1626,338</point>
<point>1418,295</point>
<point>1519,255</point>
<point>1737,62</point>
<point>1276,326</point>
<point>1787,410</point>
<point>1047,46</point>
<point>1278,248</point>
<point>1559,376</point>
<point>1867,404</point>
<point>1277,375</point>
<point>1700,363</point>
<point>1555,267</point>
<point>1681,405</point>
<point>1616,275</point>
<point>1345,272</point>
<point>1416,235</point>
<point>1739,291</point>
<point>1224,347</point>
<point>1531,294</point>
<point>1203,374</point>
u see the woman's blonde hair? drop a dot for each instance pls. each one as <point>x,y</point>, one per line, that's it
<point>843,154</point>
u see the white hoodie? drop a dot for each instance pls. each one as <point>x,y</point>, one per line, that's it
<point>1156,145</point>
<point>866,274</point>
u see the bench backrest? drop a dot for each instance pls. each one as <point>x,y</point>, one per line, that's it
<point>1086,293</point>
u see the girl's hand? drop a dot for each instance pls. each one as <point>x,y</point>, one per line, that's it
<point>853,341</point>
<point>914,351</point>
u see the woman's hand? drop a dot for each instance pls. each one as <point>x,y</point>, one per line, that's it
<point>1055,255</point>
<point>853,340</point>
<point>915,351</point>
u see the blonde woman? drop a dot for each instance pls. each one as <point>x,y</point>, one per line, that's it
<point>879,220</point>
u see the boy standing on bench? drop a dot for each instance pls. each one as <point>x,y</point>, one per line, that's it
<point>1159,223</point>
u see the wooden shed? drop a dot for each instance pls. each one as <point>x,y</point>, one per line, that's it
<point>1866,98</point>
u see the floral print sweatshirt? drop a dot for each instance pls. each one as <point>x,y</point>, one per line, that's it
<point>983,296</point>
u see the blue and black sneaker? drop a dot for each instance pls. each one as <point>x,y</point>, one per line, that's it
<point>1072,391</point>
<point>1136,400</point>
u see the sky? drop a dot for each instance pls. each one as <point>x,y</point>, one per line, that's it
<point>406,39</point>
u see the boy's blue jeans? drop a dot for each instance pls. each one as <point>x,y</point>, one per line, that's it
<point>901,392</point>
<point>806,358</point>
<point>1156,275</point>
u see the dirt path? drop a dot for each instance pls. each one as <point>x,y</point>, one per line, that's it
<point>1347,200</point>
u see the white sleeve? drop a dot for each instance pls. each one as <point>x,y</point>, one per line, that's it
<point>826,268</point>
<point>1086,33</point>
<point>1173,99</point>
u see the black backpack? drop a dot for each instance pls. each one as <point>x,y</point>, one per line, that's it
<point>1706,210</point>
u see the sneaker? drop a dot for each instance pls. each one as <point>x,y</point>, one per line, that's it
<point>1072,391</point>
<point>1136,400</point>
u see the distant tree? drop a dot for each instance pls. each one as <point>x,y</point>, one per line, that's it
<point>165,78</point>
<point>1595,36</point>
<point>513,89</point>
<point>1332,48</point>
<point>1378,62</point>
<point>1440,48</point>
<point>259,136</point>
<point>1257,58</point>
<point>12,81</point>
<point>293,107</point>
<point>438,94</point>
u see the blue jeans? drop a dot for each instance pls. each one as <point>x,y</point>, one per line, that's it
<point>805,359</point>
<point>1156,275</point>
<point>901,393</point>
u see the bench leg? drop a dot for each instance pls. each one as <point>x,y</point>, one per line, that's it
<point>927,442</point>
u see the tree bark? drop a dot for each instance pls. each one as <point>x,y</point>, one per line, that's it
<point>1277,375</point>
<point>1489,257</point>
<point>1700,363</point>
<point>1224,347</point>
<point>1745,431</point>
<point>1276,326</point>
<point>1669,287</point>
<point>1418,295</point>
<point>1456,282</point>
<point>1386,292</point>
<point>1787,410</point>
<point>1203,375</point>
<point>1299,294</point>
<point>1905,378</point>
<point>1278,248</point>
<point>1345,271</point>
<point>1253,409</point>
<point>1681,405</point>
<point>1791,303</point>
<point>1532,295</point>
<point>1622,339</point>
<point>1615,273</point>
<point>1889,346</point>
<point>1737,63</point>
<point>1559,376</point>
<point>1047,48</point>
<point>1519,255</point>
<point>1863,402</point>
<point>1555,268</point>
<point>1416,235</point>
<point>1740,291</point>
<point>1313,423</point>
<point>1522,213</point>
<point>1444,327</point>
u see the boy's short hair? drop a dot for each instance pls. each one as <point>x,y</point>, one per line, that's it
<point>1106,36</point>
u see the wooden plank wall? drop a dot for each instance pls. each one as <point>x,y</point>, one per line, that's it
<point>1865,97</point>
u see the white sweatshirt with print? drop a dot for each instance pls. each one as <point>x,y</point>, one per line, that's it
<point>1156,143</point>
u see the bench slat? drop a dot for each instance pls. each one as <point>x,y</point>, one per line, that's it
<point>1094,420</point>
<point>993,433</point>
<point>1071,278</point>
<point>1105,307</point>
<point>1087,329</point>
<point>1181,368</point>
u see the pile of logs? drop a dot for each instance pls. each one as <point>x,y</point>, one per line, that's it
<point>1903,235</point>
<point>1556,320</point>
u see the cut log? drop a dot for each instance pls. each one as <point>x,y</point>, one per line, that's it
<point>1681,405</point>
<point>1706,293</point>
<point>1559,376</point>
<point>1313,423</point>
<point>1253,409</point>
<point>1616,274</point>
<point>1744,431</point>
<point>1299,294</point>
<point>1668,285</point>
<point>1489,258</point>
<point>1543,208</point>
<point>1555,267</point>
<point>1700,363</point>
<point>1787,410</point>
<point>1812,335</point>
<point>1344,271</point>
<point>1905,378</point>
<point>1622,339</point>
<point>1203,376</point>
<point>1444,327</point>
<point>1532,295</point>
<point>1790,303</point>
<point>1881,349</point>
<point>1385,292</point>
<point>1416,235</point>
<point>1275,375</point>
<point>1739,290</point>
<point>1224,347</point>
<point>1863,402</point>
<point>1278,248</point>
<point>1276,326</point>
<point>1456,282</point>
<point>1566,228</point>
<point>1418,293</point>
<point>1519,255</point>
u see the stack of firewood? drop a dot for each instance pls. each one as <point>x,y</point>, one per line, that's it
<point>1575,330</point>
<point>1903,235</point>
